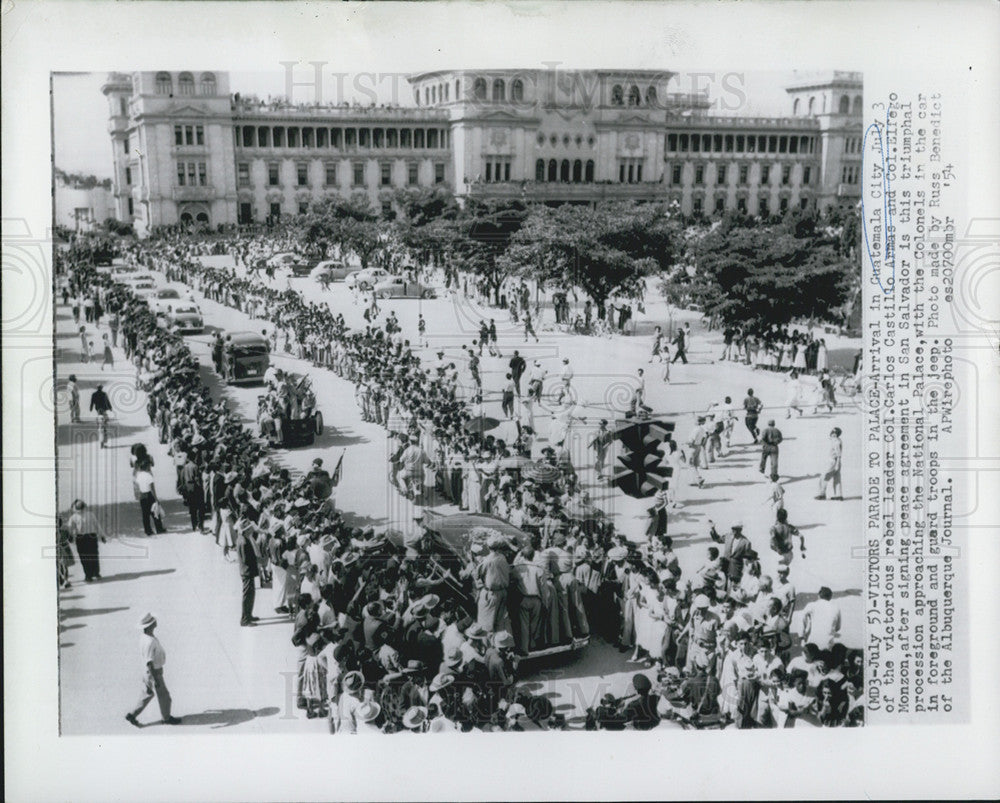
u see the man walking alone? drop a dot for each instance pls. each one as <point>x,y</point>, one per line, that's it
<point>153,658</point>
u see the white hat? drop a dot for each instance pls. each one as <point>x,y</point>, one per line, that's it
<point>147,621</point>
<point>701,601</point>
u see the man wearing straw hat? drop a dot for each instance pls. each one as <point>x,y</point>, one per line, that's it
<point>154,657</point>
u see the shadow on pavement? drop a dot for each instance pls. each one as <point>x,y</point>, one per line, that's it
<point>75,613</point>
<point>227,717</point>
<point>134,575</point>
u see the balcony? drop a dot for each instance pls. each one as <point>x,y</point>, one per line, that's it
<point>206,193</point>
<point>721,121</point>
<point>559,191</point>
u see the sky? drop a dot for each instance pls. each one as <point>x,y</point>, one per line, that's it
<point>80,111</point>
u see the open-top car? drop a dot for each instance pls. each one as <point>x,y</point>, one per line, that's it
<point>144,288</point>
<point>183,316</point>
<point>398,287</point>
<point>289,260</point>
<point>287,414</point>
<point>366,279</point>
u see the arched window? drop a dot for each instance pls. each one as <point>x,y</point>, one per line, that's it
<point>479,89</point>
<point>857,104</point>
<point>564,171</point>
<point>517,90</point>
<point>499,89</point>
<point>812,105</point>
<point>651,96</point>
<point>185,83</point>
<point>164,84</point>
<point>634,98</point>
<point>186,218</point>
<point>577,171</point>
<point>202,217</point>
<point>795,107</point>
<point>845,104</point>
<point>540,170</point>
<point>617,96</point>
<point>553,170</point>
<point>589,172</point>
<point>208,83</point>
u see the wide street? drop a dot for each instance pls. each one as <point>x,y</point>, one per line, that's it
<point>224,676</point>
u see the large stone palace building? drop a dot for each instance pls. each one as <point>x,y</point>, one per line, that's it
<point>187,150</point>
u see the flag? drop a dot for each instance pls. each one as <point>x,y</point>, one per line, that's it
<point>335,479</point>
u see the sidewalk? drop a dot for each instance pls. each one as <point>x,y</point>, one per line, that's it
<point>219,674</point>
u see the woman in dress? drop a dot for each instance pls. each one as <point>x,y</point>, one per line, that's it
<point>822,357</point>
<point>799,361</point>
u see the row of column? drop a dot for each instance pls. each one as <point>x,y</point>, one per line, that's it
<point>252,136</point>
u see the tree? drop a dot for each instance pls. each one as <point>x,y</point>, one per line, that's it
<point>351,224</point>
<point>481,236</point>
<point>603,251</point>
<point>766,276</point>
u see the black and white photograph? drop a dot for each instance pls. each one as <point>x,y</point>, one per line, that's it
<point>523,400</point>
<point>391,378</point>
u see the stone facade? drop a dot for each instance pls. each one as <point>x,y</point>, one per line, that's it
<point>186,150</point>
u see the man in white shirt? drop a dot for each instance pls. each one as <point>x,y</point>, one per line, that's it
<point>146,489</point>
<point>821,620</point>
<point>153,658</point>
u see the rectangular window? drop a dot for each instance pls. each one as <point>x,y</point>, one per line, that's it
<point>192,174</point>
<point>506,171</point>
<point>189,135</point>
<point>762,209</point>
<point>411,173</point>
<point>751,144</point>
<point>302,174</point>
<point>765,174</point>
<point>359,174</point>
<point>335,137</point>
<point>729,143</point>
<point>720,205</point>
<point>303,207</point>
<point>178,135</point>
<point>699,174</point>
<point>439,173</point>
<point>386,176</point>
<point>364,137</point>
<point>243,174</point>
<point>720,174</point>
<point>202,174</point>
<point>272,174</point>
<point>671,142</point>
<point>717,143</point>
<point>696,143</point>
<point>180,174</point>
<point>772,144</point>
<point>199,134</point>
<point>638,172</point>
<point>331,175</point>
<point>803,203</point>
<point>739,143</point>
<point>806,174</point>
<point>741,205</point>
<point>696,206</point>
<point>783,205</point>
<point>131,207</point>
<point>621,173</point>
<point>128,175</point>
<point>684,142</point>
<point>489,172</point>
<point>782,144</point>
<point>786,174</point>
<point>675,177</point>
<point>275,210</point>
<point>126,145</point>
<point>744,174</point>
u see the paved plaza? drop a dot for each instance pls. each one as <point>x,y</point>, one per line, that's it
<point>233,679</point>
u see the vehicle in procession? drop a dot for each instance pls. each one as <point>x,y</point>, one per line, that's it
<point>286,415</point>
<point>366,279</point>
<point>186,318</point>
<point>245,358</point>
<point>398,287</point>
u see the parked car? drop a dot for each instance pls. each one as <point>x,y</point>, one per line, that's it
<point>366,279</point>
<point>333,269</point>
<point>185,317</point>
<point>398,287</point>
<point>119,272</point>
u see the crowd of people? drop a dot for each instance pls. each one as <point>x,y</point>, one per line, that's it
<point>393,636</point>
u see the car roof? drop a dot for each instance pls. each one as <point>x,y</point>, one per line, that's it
<point>163,290</point>
<point>248,338</point>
